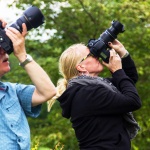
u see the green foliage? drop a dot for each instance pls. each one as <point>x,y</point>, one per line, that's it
<point>51,129</point>
<point>78,21</point>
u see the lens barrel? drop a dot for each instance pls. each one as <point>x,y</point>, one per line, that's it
<point>32,17</point>
<point>100,47</point>
<point>110,34</point>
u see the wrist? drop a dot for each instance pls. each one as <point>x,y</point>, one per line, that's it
<point>125,55</point>
<point>27,60</point>
<point>21,57</point>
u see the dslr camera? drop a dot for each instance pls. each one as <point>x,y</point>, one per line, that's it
<point>100,47</point>
<point>32,17</point>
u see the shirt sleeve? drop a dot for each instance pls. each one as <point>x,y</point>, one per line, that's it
<point>25,93</point>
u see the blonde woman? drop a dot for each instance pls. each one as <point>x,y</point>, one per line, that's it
<point>99,108</point>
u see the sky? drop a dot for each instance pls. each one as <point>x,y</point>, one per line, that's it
<point>9,14</point>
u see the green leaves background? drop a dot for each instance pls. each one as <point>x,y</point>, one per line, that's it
<point>77,21</point>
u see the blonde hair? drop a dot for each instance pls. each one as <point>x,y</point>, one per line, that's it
<point>67,68</point>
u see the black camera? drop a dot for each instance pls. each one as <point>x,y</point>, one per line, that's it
<point>32,17</point>
<point>100,47</point>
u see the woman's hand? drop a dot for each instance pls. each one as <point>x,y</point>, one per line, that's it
<point>118,47</point>
<point>114,62</point>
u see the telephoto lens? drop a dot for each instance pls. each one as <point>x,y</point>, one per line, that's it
<point>32,17</point>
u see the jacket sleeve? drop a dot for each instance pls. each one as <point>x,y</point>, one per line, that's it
<point>100,100</point>
<point>129,67</point>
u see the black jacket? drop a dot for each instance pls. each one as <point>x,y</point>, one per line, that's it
<point>96,112</point>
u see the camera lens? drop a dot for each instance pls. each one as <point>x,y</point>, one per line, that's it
<point>100,47</point>
<point>110,34</point>
<point>115,29</point>
<point>32,17</point>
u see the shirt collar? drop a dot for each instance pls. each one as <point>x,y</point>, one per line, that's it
<point>3,86</point>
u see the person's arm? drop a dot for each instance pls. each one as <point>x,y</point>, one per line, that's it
<point>44,88</point>
<point>127,63</point>
<point>98,99</point>
<point>129,67</point>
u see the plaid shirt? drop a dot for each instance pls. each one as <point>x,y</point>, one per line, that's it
<point>15,105</point>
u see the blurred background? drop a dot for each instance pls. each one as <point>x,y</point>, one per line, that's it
<point>76,21</point>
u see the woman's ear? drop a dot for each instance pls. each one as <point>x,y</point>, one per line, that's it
<point>80,68</point>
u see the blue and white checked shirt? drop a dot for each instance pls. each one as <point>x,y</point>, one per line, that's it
<point>15,105</point>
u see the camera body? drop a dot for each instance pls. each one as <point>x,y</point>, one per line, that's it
<point>32,17</point>
<point>100,47</point>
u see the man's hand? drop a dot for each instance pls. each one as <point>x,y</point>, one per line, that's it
<point>18,40</point>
